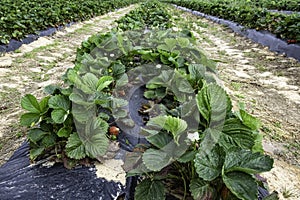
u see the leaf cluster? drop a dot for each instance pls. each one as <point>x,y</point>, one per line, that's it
<point>291,5</point>
<point>220,164</point>
<point>72,122</point>
<point>150,15</point>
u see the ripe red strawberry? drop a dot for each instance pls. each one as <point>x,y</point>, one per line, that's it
<point>113,130</point>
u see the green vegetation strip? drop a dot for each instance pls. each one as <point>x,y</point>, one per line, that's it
<point>290,5</point>
<point>20,18</point>
<point>198,147</point>
<point>248,14</point>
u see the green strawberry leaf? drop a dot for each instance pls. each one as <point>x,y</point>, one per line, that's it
<point>150,190</point>
<point>29,102</point>
<point>64,132</point>
<point>214,105</point>
<point>29,119</point>
<point>103,82</point>
<point>209,163</point>
<point>36,134</point>
<point>94,137</point>
<point>201,189</point>
<point>59,115</point>
<point>74,148</point>
<point>245,161</point>
<point>35,152</point>
<point>155,159</point>
<point>242,185</point>
<point>59,102</point>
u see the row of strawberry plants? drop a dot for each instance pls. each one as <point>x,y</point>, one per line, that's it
<point>141,17</point>
<point>198,147</point>
<point>290,5</point>
<point>19,18</point>
<point>51,120</point>
<point>286,5</point>
<point>282,25</point>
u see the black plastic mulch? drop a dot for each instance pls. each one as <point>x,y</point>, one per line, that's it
<point>20,180</point>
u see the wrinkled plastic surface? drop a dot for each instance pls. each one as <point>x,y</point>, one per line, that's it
<point>262,37</point>
<point>130,136</point>
<point>20,180</point>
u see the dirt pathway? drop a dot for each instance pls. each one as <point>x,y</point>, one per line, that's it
<point>269,85</point>
<point>34,66</point>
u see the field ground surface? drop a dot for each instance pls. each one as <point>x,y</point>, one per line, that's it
<point>268,84</point>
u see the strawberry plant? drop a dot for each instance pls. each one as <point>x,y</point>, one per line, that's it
<point>60,129</point>
<point>150,14</point>
<point>64,124</point>
<point>197,146</point>
<point>217,161</point>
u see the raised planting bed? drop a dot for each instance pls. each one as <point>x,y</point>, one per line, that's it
<point>156,95</point>
<point>164,112</point>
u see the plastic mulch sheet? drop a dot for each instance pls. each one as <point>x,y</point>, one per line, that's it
<point>20,180</point>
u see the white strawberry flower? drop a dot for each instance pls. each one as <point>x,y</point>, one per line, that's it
<point>193,136</point>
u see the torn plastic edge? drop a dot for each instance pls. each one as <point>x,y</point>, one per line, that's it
<point>264,38</point>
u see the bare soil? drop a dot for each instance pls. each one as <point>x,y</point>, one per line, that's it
<point>268,83</point>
